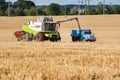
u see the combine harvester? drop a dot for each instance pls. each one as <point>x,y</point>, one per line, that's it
<point>45,29</point>
<point>42,29</point>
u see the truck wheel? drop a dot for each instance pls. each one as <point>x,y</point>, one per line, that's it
<point>39,37</point>
<point>84,40</point>
<point>73,39</point>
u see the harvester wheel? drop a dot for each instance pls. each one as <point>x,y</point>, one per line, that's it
<point>55,40</point>
<point>52,40</point>
<point>27,36</point>
<point>39,37</point>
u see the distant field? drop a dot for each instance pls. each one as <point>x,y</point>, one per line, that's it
<point>65,60</point>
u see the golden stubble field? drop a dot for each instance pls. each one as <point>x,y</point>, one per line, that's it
<point>63,60</point>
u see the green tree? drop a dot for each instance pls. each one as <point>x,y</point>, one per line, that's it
<point>53,9</point>
<point>44,10</point>
<point>12,12</point>
<point>1,13</point>
<point>30,12</point>
<point>108,10</point>
<point>26,11</point>
<point>66,10</point>
<point>114,9</point>
<point>24,7</point>
<point>92,11</point>
<point>24,4</point>
<point>2,8</point>
<point>118,9</point>
<point>40,12</point>
<point>100,8</point>
<point>18,11</point>
<point>74,11</point>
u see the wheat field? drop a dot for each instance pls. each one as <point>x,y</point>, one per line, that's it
<point>65,60</point>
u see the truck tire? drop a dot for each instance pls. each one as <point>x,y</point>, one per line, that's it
<point>73,39</point>
<point>84,40</point>
<point>39,37</point>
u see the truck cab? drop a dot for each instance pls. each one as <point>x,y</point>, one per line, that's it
<point>82,35</point>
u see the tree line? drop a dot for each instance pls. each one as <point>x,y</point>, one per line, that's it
<point>28,8</point>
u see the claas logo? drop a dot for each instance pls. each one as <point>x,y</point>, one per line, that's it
<point>37,26</point>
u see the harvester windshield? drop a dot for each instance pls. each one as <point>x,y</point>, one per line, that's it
<point>50,26</point>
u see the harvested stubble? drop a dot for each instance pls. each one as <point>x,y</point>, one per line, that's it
<point>64,60</point>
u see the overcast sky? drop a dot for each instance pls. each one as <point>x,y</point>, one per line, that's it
<point>63,2</point>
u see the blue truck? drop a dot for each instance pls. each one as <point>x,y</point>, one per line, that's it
<point>80,34</point>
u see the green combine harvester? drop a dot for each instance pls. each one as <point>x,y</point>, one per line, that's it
<point>42,29</point>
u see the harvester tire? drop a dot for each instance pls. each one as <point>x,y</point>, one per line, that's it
<point>39,37</point>
<point>52,39</point>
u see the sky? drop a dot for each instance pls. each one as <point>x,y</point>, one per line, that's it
<point>64,2</point>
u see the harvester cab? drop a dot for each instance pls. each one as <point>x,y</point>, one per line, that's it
<point>50,26</point>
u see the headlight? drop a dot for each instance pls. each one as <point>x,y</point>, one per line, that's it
<point>86,37</point>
